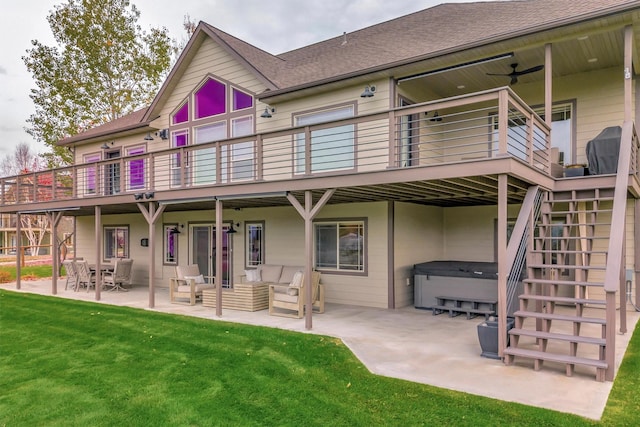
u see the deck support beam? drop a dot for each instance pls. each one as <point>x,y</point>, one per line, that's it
<point>308,212</point>
<point>151,214</point>
<point>503,269</point>
<point>98,239</point>
<point>18,249</point>
<point>54,220</point>
<point>218,257</point>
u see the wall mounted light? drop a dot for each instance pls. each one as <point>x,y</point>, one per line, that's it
<point>368,92</point>
<point>106,146</point>
<point>436,117</point>
<point>148,137</point>
<point>176,230</point>
<point>149,195</point>
<point>138,196</point>
<point>266,114</point>
<point>232,230</point>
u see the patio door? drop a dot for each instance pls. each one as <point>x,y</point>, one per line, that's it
<point>204,252</point>
<point>112,174</point>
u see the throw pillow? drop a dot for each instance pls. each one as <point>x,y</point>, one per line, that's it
<point>198,279</point>
<point>296,282</point>
<point>252,275</point>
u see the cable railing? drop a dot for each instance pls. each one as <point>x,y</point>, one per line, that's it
<point>483,125</point>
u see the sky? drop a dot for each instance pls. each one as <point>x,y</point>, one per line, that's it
<point>275,26</point>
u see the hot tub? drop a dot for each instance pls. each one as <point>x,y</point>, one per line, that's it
<point>462,279</point>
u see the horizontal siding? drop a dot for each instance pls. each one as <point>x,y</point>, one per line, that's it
<point>418,238</point>
<point>599,99</point>
<point>469,232</point>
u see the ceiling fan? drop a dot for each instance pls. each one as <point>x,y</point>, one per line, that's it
<point>514,74</point>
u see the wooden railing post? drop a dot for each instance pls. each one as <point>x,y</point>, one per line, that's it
<point>393,131</point>
<point>259,158</point>
<point>503,122</point>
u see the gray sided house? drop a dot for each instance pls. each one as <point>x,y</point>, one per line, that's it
<point>500,133</point>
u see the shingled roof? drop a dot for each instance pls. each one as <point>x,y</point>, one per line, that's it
<point>420,35</point>
<point>428,33</point>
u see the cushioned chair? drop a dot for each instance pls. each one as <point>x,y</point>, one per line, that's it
<point>289,300</point>
<point>120,275</point>
<point>72,274</point>
<point>85,275</point>
<point>187,284</point>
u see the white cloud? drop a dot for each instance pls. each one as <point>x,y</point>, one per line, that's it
<point>275,26</point>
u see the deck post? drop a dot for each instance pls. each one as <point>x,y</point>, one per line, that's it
<point>218,258</point>
<point>151,214</point>
<point>98,239</point>
<point>308,212</point>
<point>18,249</point>
<point>503,271</point>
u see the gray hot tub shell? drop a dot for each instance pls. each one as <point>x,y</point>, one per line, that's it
<point>466,279</point>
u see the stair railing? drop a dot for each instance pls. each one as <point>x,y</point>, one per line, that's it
<point>517,250</point>
<point>517,246</point>
<point>614,273</point>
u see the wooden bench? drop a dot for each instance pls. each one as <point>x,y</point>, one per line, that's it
<point>243,296</point>
<point>471,306</point>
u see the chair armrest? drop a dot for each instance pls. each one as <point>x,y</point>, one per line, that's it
<point>190,282</point>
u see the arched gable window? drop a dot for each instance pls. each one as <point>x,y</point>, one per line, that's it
<point>214,111</point>
<point>210,99</point>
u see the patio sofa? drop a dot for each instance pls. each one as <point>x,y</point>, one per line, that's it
<point>250,291</point>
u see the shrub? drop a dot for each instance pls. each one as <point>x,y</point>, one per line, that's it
<point>5,276</point>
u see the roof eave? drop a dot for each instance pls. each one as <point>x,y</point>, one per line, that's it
<point>103,135</point>
<point>627,7</point>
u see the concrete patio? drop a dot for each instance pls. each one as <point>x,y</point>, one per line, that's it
<point>407,343</point>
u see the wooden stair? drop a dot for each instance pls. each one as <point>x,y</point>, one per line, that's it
<point>561,319</point>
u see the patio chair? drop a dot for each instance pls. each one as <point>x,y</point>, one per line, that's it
<point>85,276</point>
<point>72,274</point>
<point>120,275</point>
<point>289,300</point>
<point>188,283</point>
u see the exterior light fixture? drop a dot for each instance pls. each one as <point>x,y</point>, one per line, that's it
<point>148,137</point>
<point>149,195</point>
<point>266,114</point>
<point>232,230</point>
<point>176,230</point>
<point>368,92</point>
<point>106,146</point>
<point>436,117</point>
<point>138,196</point>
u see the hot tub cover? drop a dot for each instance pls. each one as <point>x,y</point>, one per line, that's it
<point>475,269</point>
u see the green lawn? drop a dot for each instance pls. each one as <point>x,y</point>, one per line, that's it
<point>34,271</point>
<point>65,362</point>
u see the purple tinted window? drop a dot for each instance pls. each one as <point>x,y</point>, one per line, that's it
<point>241,100</point>
<point>182,115</point>
<point>210,99</point>
<point>136,170</point>
<point>180,139</point>
<point>91,174</point>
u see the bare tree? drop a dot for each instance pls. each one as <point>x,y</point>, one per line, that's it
<point>23,161</point>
